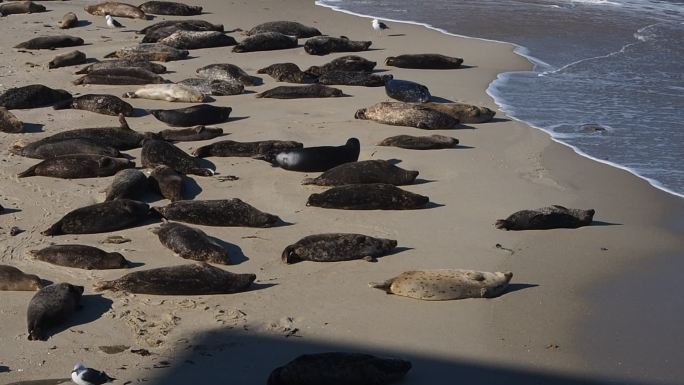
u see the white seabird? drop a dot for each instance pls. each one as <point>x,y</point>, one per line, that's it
<point>379,25</point>
<point>87,376</point>
<point>112,23</point>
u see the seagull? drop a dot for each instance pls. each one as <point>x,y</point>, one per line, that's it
<point>378,25</point>
<point>87,376</point>
<point>111,22</point>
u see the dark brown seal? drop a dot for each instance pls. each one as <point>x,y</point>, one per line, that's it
<point>323,45</point>
<point>202,114</point>
<point>167,182</point>
<point>287,72</point>
<point>150,52</point>
<point>13,279</point>
<point>51,42</point>
<point>366,171</point>
<point>191,243</point>
<point>344,63</point>
<point>160,152</point>
<point>228,72</point>
<point>50,149</point>
<point>116,9</point>
<point>336,368</point>
<point>32,96</point>
<point>191,134</point>
<point>120,76</point>
<point>465,113</point>
<point>220,212</point>
<point>353,78</point>
<point>297,92</point>
<point>198,39</point>
<point>123,63</point>
<point>100,218</point>
<point>69,20</point>
<point>192,279</point>
<point>263,149</point>
<point>170,8</point>
<point>320,158</point>
<point>376,196</point>
<point>425,61</point>
<point>215,87</point>
<point>266,41</point>
<point>67,59</point>
<point>51,306</point>
<point>17,7</point>
<point>432,142</point>
<point>77,166</point>
<point>407,114</point>
<point>127,184</point>
<point>9,122</point>
<point>80,256</point>
<point>99,103</point>
<point>553,217</point>
<point>291,28</point>
<point>337,247</point>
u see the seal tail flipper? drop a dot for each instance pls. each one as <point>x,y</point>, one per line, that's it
<point>30,172</point>
<point>382,285</point>
<point>288,256</point>
<point>123,123</point>
<point>309,181</point>
<point>501,224</point>
<point>103,285</point>
<point>62,104</point>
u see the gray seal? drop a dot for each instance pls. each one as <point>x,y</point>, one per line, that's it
<point>299,92</point>
<point>200,25</point>
<point>31,96</point>
<point>123,63</point>
<point>198,39</point>
<point>156,34</point>
<point>337,368</point>
<point>80,257</point>
<point>263,149</point>
<point>356,78</point>
<point>9,122</point>
<point>291,28</point>
<point>51,42</point>
<point>116,9</point>
<point>13,279</point>
<point>193,279</point>
<point>201,114</point>
<point>50,307</point>
<point>77,166</point>
<point>69,20</point>
<point>120,76</point>
<point>214,87</point>
<point>228,72</point>
<point>191,243</point>
<point>337,247</point>
<point>362,172</point>
<point>191,134</point>
<point>553,217</point>
<point>17,7</point>
<point>127,184</point>
<point>407,91</point>
<point>220,212</point>
<point>465,113</point>
<point>99,103</point>
<point>432,142</point>
<point>407,114</point>
<point>50,149</point>
<point>375,196</point>
<point>170,8</point>
<point>101,218</point>
<point>159,152</point>
<point>323,45</point>
<point>425,61</point>
<point>287,72</point>
<point>321,158</point>
<point>167,182</point>
<point>343,63</point>
<point>67,59</point>
<point>150,52</point>
<point>266,41</point>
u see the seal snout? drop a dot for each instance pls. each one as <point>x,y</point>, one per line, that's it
<point>360,114</point>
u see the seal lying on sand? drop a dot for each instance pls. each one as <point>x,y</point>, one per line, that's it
<point>465,113</point>
<point>191,116</point>
<point>297,92</point>
<point>263,149</point>
<point>123,63</point>
<point>193,279</point>
<point>69,20</point>
<point>77,166</point>
<point>170,8</point>
<point>80,256</point>
<point>17,7</point>
<point>13,279</point>
<point>345,63</point>
<point>424,61</point>
<point>228,72</point>
<point>9,122</point>
<point>323,45</point>
<point>406,91</point>
<point>336,368</point>
<point>100,218</point>
<point>168,92</point>
<point>553,217</point>
<point>337,247</point>
<point>215,87</point>
<point>375,196</point>
<point>357,78</point>
<point>120,76</point>
<point>191,243</point>
<point>366,171</point>
<point>156,34</point>
<point>150,52</point>
<point>220,212</point>
<point>127,184</point>
<point>51,306</point>
<point>50,149</point>
<point>406,114</point>
<point>291,28</point>
<point>321,158</point>
<point>167,182</point>
<point>116,9</point>
<point>67,59</point>
<point>160,152</point>
<point>432,142</point>
<point>287,72</point>
<point>98,103</point>
<point>198,39</point>
<point>51,42</point>
<point>191,134</point>
<point>266,41</point>
<point>446,284</point>
<point>31,96</point>
<point>199,25</point>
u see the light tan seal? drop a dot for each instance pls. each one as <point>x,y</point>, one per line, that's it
<point>13,279</point>
<point>116,9</point>
<point>465,113</point>
<point>407,114</point>
<point>168,92</point>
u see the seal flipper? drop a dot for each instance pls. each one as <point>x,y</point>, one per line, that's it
<point>55,229</point>
<point>501,224</point>
<point>30,172</point>
<point>104,285</point>
<point>383,285</point>
<point>288,256</point>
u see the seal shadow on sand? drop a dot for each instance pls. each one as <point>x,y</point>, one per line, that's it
<point>31,128</point>
<point>9,210</point>
<point>138,112</point>
<point>235,253</point>
<point>602,223</point>
<point>52,381</point>
<point>513,287</point>
<point>92,307</point>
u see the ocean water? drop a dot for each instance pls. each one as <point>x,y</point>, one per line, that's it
<point>613,64</point>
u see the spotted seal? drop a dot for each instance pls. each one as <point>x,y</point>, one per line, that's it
<point>287,72</point>
<point>425,61</point>
<point>67,59</point>
<point>406,91</point>
<point>261,149</point>
<point>356,78</point>
<point>127,184</point>
<point>323,45</point>
<point>120,76</point>
<point>31,96</point>
<point>167,182</point>
<point>160,152</point>
<point>150,52</point>
<point>191,243</point>
<point>116,9</point>
<point>69,20</point>
<point>77,166</point>
<point>202,114</point>
<point>51,42</point>
<point>193,279</point>
<point>198,39</point>
<point>321,158</point>
<point>17,7</point>
<point>228,72</point>
<point>215,87</point>
<point>170,8</point>
<point>9,122</point>
<point>374,196</point>
<point>432,142</point>
<point>169,92</point>
<point>337,247</point>
<point>80,256</point>
<point>100,218</point>
<point>50,149</point>
<point>407,114</point>
<point>343,63</point>
<point>553,217</point>
<point>99,103</point>
<point>291,28</point>
<point>299,92</point>
<point>157,34</point>
<point>200,25</point>
<point>465,113</point>
<point>220,212</point>
<point>266,41</point>
<point>51,306</point>
<point>191,134</point>
<point>365,171</point>
<point>13,279</point>
<point>123,63</point>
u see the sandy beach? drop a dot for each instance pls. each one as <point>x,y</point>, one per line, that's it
<point>594,305</point>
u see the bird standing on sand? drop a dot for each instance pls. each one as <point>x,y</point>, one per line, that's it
<point>87,376</point>
<point>379,25</point>
<point>111,22</point>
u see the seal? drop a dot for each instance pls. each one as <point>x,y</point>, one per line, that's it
<point>101,218</point>
<point>262,149</point>
<point>156,34</point>
<point>116,9</point>
<point>432,142</point>
<point>201,25</point>
<point>337,368</point>
<point>228,72</point>
<point>362,172</point>
<point>374,196</point>
<point>291,28</point>
<point>50,149</point>
<point>192,279</point>
<point>170,8</point>
<point>31,96</point>
<point>69,20</point>
<point>358,78</point>
<point>80,257</point>
<point>545,218</point>
<point>99,103</point>
<point>167,182</point>
<point>191,243</point>
<point>77,166</point>
<point>407,91</point>
<point>168,92</point>
<point>51,42</point>
<point>465,113</point>
<point>150,52</point>
<point>322,158</point>
<point>337,247</point>
<point>323,45</point>
<point>287,72</point>
<point>446,284</point>
<point>9,122</point>
<point>51,306</point>
<point>191,116</point>
<point>123,63</point>
<point>266,41</point>
<point>67,59</point>
<point>344,63</point>
<point>120,76</point>
<point>406,114</point>
<point>214,87</point>
<point>198,39</point>
<point>299,92</point>
<point>127,184</point>
<point>17,7</point>
<point>431,61</point>
<point>191,134</point>
<point>159,152</point>
<point>13,279</point>
<point>219,212</point>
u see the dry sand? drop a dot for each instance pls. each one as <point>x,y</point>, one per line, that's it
<point>592,305</point>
